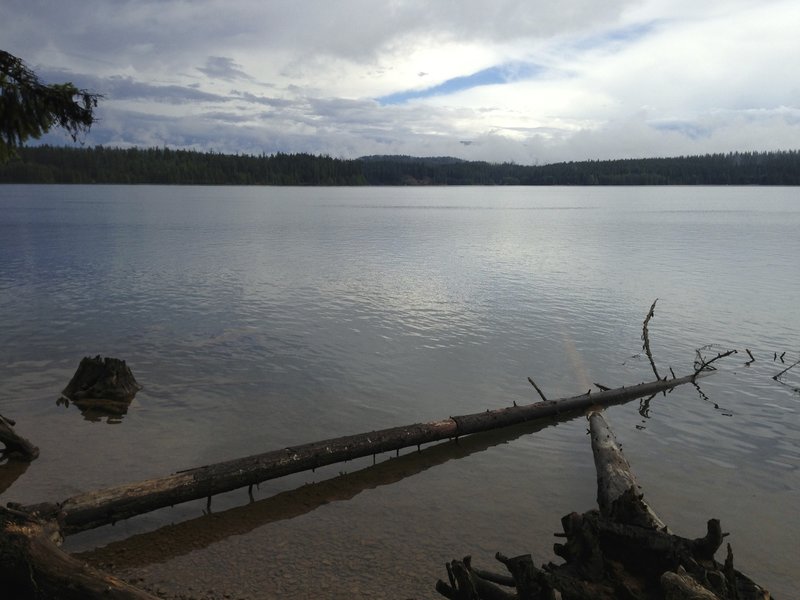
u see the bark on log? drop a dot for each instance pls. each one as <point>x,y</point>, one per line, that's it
<point>615,478</point>
<point>97,508</point>
<point>32,566</point>
<point>16,446</point>
<point>680,586</point>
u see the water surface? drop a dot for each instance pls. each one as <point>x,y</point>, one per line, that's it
<point>258,318</point>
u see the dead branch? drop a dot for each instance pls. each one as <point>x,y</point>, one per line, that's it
<point>752,358</point>
<point>779,375</point>
<point>701,364</point>
<point>536,387</point>
<point>646,338</point>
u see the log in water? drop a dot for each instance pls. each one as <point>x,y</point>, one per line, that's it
<point>101,507</point>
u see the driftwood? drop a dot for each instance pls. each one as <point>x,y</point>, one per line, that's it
<point>97,508</point>
<point>16,446</point>
<point>33,566</point>
<point>614,476</point>
<point>622,550</point>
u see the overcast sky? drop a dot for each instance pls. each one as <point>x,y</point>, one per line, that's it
<point>531,81</point>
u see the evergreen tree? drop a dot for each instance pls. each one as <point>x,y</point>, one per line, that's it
<point>29,108</point>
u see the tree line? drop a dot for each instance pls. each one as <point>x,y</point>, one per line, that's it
<point>50,164</point>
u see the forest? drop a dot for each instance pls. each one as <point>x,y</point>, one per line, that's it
<point>86,165</point>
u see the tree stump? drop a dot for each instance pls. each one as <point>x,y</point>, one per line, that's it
<point>100,381</point>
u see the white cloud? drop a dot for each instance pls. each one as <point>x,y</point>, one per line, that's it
<point>639,78</point>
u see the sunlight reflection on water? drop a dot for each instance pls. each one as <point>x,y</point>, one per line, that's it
<point>257,318</point>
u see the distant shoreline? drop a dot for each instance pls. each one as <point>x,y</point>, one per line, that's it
<point>163,166</point>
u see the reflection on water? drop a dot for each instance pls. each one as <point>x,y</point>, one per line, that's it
<point>178,539</point>
<point>259,318</point>
<point>111,410</point>
<point>10,471</point>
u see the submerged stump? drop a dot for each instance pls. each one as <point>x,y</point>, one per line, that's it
<point>102,382</point>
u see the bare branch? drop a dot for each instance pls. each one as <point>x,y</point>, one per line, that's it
<point>778,376</point>
<point>533,383</point>
<point>646,338</point>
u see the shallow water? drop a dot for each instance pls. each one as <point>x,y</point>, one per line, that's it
<point>258,318</point>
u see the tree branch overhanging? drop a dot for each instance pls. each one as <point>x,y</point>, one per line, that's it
<point>30,108</point>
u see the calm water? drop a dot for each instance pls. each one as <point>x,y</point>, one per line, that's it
<point>258,318</point>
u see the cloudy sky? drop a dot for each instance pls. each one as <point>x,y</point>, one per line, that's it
<point>531,81</point>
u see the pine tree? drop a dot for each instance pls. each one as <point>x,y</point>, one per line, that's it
<point>29,108</point>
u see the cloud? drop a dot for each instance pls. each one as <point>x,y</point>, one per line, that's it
<point>529,81</point>
<point>691,130</point>
<point>120,87</point>
<point>220,67</point>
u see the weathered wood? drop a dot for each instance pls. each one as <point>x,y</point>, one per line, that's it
<point>97,508</point>
<point>16,446</point>
<point>33,567</point>
<point>622,550</point>
<point>615,478</point>
<point>646,338</point>
<point>100,380</point>
<point>680,585</point>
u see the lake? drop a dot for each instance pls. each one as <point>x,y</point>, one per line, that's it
<point>257,318</point>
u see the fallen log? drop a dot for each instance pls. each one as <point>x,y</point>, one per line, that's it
<point>97,508</point>
<point>615,478</point>
<point>184,537</point>
<point>33,566</point>
<point>16,446</point>
<point>622,550</point>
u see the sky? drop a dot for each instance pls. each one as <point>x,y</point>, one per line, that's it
<point>528,81</point>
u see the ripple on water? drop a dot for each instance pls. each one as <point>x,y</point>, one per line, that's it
<point>258,318</point>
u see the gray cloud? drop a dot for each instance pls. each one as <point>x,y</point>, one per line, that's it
<point>641,78</point>
<point>152,31</point>
<point>118,88</point>
<point>220,67</point>
<point>259,99</point>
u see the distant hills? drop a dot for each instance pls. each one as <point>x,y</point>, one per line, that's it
<point>49,164</point>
